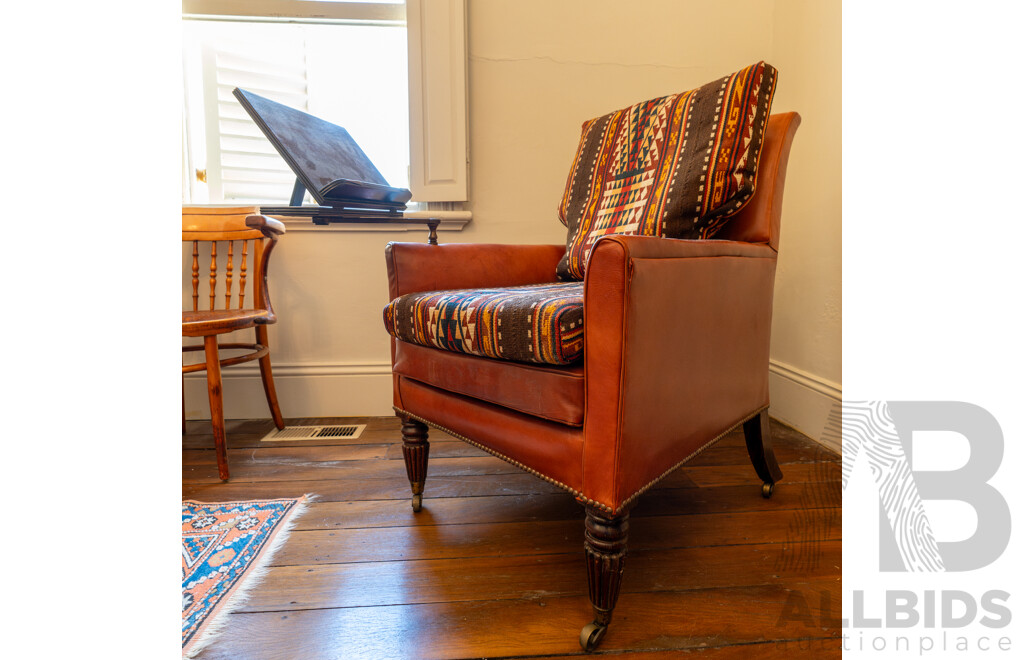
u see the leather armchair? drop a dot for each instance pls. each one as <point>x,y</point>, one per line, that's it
<point>676,353</point>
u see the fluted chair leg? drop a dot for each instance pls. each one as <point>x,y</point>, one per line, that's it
<point>605,548</point>
<point>759,446</point>
<point>213,385</point>
<point>416,450</point>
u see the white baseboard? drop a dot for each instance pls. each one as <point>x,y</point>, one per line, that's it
<point>799,399</point>
<point>303,390</point>
<point>804,401</point>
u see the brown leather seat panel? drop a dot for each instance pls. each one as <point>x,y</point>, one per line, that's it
<point>551,451</point>
<point>550,392</point>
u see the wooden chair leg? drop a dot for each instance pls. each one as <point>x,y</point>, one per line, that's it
<point>605,547</point>
<point>183,404</point>
<point>759,445</point>
<point>268,378</point>
<point>213,384</point>
<point>416,450</point>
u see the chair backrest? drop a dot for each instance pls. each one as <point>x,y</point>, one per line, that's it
<point>760,219</point>
<point>223,245</point>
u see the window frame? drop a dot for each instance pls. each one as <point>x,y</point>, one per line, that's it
<point>296,10</point>
<point>438,144</point>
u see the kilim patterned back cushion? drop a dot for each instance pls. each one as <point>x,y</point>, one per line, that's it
<point>676,166</point>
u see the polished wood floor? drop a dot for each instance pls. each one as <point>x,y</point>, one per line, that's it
<point>493,565</point>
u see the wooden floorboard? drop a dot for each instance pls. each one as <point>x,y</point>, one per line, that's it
<point>493,565</point>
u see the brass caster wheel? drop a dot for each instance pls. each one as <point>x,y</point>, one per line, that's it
<point>591,636</point>
<point>417,502</point>
<point>767,488</point>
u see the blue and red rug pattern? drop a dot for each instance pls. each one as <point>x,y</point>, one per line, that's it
<point>224,550</point>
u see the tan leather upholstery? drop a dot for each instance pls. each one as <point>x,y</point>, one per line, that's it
<point>548,392</point>
<point>759,221</point>
<point>663,379</point>
<point>553,451</point>
<point>676,348</point>
<point>416,267</point>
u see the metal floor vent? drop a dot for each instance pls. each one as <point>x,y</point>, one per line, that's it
<point>350,432</point>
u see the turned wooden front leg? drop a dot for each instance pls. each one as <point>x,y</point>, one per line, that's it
<point>416,450</point>
<point>605,547</point>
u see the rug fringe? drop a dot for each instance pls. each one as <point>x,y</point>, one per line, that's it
<point>258,571</point>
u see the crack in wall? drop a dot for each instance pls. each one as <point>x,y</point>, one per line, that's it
<point>554,60</point>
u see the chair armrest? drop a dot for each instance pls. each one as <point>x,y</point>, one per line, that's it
<point>271,229</point>
<point>654,247</point>
<point>677,338</point>
<point>414,267</point>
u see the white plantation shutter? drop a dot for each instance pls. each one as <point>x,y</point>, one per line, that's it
<point>242,165</point>
<point>437,95</point>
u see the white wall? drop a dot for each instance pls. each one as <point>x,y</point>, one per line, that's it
<point>806,369</point>
<point>537,70</point>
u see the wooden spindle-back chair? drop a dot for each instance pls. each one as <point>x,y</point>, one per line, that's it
<point>240,242</point>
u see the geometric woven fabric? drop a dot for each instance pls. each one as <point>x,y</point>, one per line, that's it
<point>540,323</point>
<point>223,545</point>
<point>676,166</point>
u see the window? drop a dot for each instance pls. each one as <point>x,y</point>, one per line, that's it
<point>356,64</point>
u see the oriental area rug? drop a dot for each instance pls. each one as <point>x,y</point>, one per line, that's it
<point>225,548</point>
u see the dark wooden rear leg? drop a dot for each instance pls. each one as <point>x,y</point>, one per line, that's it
<point>267,374</point>
<point>605,547</point>
<point>759,445</point>
<point>415,449</point>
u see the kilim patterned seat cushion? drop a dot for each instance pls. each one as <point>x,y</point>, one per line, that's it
<point>675,166</point>
<point>539,323</point>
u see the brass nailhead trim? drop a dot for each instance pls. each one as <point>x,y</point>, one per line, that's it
<point>519,465</point>
<point>576,494</point>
